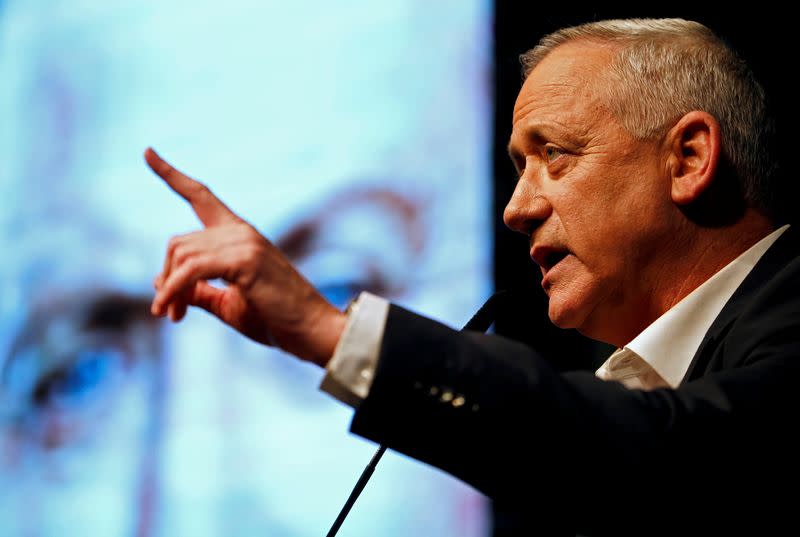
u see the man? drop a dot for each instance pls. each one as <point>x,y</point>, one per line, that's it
<point>644,186</point>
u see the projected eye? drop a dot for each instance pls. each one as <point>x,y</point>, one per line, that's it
<point>70,364</point>
<point>360,240</point>
<point>80,381</point>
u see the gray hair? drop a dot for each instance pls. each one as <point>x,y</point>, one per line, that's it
<point>665,68</point>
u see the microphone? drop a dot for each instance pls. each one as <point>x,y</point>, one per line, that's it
<point>480,322</point>
<point>487,314</point>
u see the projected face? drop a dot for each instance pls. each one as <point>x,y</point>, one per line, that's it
<point>114,423</point>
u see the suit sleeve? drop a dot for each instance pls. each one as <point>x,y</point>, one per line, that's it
<point>584,451</point>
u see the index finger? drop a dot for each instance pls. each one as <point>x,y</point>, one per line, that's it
<point>208,208</point>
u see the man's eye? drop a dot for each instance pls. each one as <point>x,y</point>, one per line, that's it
<point>552,153</point>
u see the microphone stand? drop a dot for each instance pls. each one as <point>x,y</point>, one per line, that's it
<point>480,322</point>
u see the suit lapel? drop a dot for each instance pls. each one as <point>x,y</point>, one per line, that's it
<point>771,263</point>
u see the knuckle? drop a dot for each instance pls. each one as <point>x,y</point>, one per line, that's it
<point>198,190</point>
<point>257,240</point>
<point>248,232</point>
<point>181,255</point>
<point>252,253</point>
<point>177,243</point>
<point>246,279</point>
<point>190,266</point>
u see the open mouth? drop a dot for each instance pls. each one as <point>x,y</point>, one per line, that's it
<point>553,258</point>
<point>547,257</point>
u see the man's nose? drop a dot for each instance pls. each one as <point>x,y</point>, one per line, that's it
<point>526,209</point>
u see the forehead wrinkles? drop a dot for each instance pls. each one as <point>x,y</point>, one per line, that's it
<point>573,107</point>
<point>569,77</point>
<point>547,95</point>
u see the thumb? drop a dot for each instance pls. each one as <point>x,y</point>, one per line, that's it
<point>206,296</point>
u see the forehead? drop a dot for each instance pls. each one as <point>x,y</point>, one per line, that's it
<point>565,83</point>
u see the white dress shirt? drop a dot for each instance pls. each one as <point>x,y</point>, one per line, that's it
<point>658,357</point>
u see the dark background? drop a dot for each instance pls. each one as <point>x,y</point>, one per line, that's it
<point>759,34</point>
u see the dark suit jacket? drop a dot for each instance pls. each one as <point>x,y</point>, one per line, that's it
<point>578,454</point>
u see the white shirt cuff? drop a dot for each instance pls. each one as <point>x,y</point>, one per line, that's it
<point>352,367</point>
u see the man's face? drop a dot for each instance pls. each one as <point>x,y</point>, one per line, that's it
<point>594,201</point>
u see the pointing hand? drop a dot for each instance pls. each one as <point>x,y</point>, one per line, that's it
<point>266,298</point>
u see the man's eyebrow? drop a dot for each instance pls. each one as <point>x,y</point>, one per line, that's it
<point>534,131</point>
<point>539,132</point>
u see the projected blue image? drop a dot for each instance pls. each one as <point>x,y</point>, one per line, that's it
<point>354,135</point>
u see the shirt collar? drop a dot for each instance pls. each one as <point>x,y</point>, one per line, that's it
<point>670,342</point>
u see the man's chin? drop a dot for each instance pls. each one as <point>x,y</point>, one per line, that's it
<point>564,316</point>
<point>585,320</point>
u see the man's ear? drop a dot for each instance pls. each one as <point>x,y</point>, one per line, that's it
<point>695,145</point>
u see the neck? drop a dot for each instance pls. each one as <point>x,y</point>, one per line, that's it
<point>689,258</point>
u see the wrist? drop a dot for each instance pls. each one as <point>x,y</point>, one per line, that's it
<point>329,330</point>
